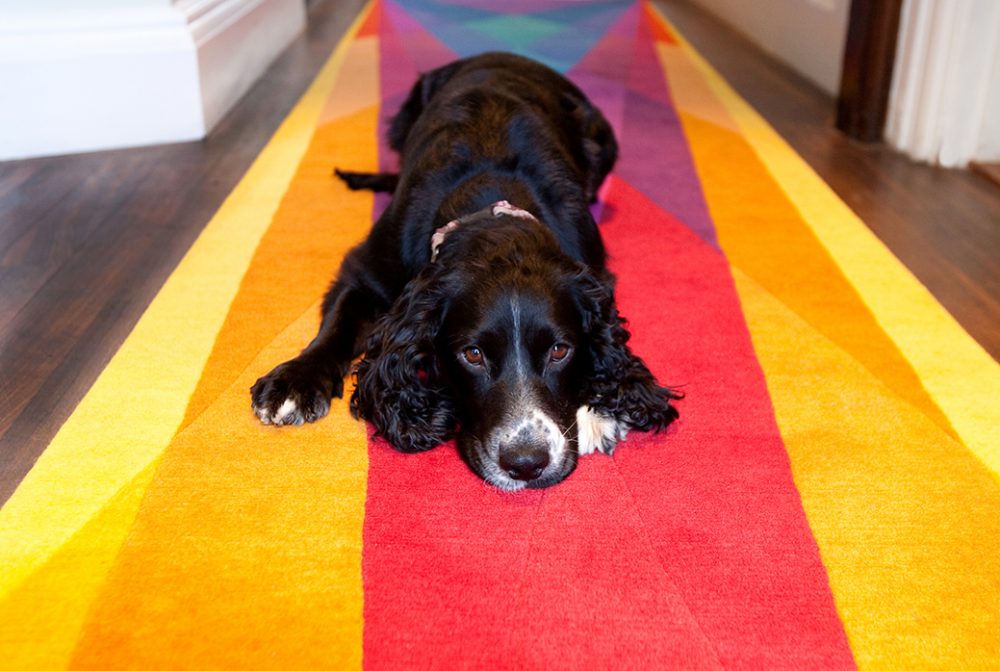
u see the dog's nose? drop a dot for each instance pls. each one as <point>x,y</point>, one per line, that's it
<point>524,462</point>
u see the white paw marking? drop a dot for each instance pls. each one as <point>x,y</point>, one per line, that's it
<point>596,432</point>
<point>286,409</point>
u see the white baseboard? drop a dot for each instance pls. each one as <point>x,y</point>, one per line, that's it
<point>104,77</point>
<point>236,40</point>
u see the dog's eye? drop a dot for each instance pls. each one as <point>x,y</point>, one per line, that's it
<point>473,355</point>
<point>558,352</point>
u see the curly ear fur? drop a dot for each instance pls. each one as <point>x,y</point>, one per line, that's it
<point>621,385</point>
<point>398,386</point>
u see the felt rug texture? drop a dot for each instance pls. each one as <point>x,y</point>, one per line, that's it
<point>829,499</point>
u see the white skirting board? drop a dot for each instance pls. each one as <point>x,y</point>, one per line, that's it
<point>103,74</point>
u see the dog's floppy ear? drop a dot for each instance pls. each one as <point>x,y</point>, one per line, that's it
<point>620,384</point>
<point>398,382</point>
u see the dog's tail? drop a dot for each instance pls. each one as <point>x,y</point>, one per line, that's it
<point>384,182</point>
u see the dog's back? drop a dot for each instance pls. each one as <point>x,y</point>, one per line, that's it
<point>512,108</point>
<point>491,127</point>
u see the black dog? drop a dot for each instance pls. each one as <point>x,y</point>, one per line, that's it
<point>481,300</point>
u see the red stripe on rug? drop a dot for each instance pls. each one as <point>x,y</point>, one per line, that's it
<point>460,576</point>
<point>717,496</point>
<point>686,549</point>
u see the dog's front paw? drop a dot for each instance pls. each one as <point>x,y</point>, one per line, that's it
<point>294,393</point>
<point>597,432</point>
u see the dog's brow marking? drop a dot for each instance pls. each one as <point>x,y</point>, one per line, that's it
<point>515,309</point>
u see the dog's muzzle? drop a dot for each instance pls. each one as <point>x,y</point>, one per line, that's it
<point>526,451</point>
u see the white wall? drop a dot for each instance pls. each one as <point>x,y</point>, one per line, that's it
<point>807,35</point>
<point>81,75</point>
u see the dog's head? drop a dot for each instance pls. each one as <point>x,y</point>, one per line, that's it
<point>515,347</point>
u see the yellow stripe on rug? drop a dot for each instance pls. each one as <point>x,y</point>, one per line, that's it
<point>49,607</point>
<point>145,390</point>
<point>764,235</point>
<point>959,374</point>
<point>271,515</point>
<point>904,516</point>
<point>230,481</point>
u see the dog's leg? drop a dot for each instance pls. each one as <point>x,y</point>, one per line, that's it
<point>300,390</point>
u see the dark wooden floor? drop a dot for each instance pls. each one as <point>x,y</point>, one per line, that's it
<point>86,241</point>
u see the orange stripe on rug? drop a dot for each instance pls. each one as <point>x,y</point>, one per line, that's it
<point>906,519</point>
<point>318,221</point>
<point>49,607</point>
<point>248,532</point>
<point>763,235</point>
<point>135,407</point>
<point>962,378</point>
<point>232,511</point>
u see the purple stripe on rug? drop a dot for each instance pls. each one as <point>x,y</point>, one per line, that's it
<point>654,156</point>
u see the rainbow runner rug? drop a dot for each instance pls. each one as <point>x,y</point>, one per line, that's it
<point>828,500</point>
